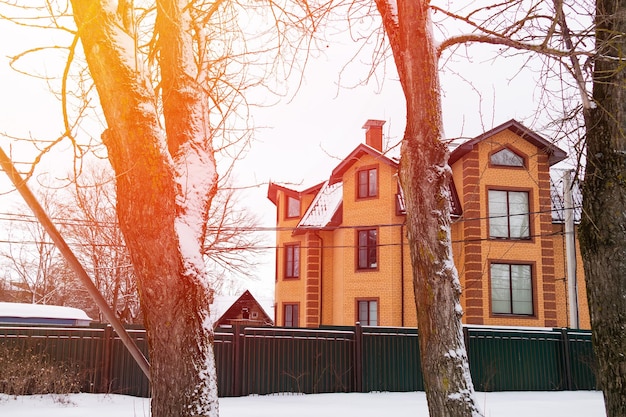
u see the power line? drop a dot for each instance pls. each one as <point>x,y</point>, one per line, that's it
<point>9,217</point>
<point>274,247</point>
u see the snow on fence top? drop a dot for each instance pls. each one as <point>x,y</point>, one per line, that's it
<point>22,313</point>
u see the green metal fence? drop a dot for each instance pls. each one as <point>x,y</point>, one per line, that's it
<point>530,359</point>
<point>296,360</point>
<point>580,361</point>
<point>121,372</point>
<point>96,353</point>
<point>331,359</point>
<point>516,360</point>
<point>390,360</point>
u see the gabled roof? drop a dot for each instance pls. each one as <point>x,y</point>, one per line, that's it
<point>273,189</point>
<point>325,209</point>
<point>555,153</point>
<point>228,306</point>
<point>354,157</point>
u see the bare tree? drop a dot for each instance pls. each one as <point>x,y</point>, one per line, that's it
<point>170,77</point>
<point>233,242</point>
<point>85,213</point>
<point>585,39</point>
<point>91,223</point>
<point>32,259</point>
<point>425,177</point>
<point>603,226</point>
<point>166,176</point>
<point>526,26</point>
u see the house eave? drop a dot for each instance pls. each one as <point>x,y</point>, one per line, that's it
<point>555,154</point>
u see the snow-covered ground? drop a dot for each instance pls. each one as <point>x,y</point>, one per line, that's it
<point>494,404</point>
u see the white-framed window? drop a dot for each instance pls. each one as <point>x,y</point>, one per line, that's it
<point>509,214</point>
<point>511,289</point>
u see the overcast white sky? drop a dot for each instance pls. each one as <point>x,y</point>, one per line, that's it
<point>301,136</point>
<point>325,121</point>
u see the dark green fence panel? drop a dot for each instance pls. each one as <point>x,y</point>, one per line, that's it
<point>332,359</point>
<point>225,363</point>
<point>297,360</point>
<point>507,360</point>
<point>391,360</point>
<point>126,376</point>
<point>79,352</point>
<point>582,360</point>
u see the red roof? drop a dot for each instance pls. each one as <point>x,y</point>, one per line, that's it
<point>354,156</point>
<point>555,153</point>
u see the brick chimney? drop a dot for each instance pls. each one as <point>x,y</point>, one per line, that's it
<point>374,134</point>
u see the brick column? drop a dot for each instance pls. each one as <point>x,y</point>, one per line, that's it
<point>313,278</point>
<point>548,282</point>
<point>472,258</point>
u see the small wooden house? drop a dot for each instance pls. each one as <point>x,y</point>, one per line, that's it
<point>245,310</point>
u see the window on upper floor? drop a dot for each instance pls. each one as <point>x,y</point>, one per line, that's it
<point>367,249</point>
<point>293,207</point>
<point>509,214</point>
<point>367,183</point>
<point>511,289</point>
<point>292,260</point>
<point>291,315</point>
<point>367,312</point>
<point>506,157</point>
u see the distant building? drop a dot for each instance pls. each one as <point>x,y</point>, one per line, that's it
<point>42,315</point>
<point>343,255</point>
<point>243,310</point>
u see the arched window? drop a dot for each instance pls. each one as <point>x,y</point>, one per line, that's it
<point>506,157</point>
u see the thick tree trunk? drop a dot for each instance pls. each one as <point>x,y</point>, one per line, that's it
<point>603,226</point>
<point>425,177</point>
<point>161,207</point>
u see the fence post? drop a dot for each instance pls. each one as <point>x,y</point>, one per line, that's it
<point>466,341</point>
<point>358,358</point>
<point>567,358</point>
<point>107,352</point>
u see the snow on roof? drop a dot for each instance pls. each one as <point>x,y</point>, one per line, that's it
<point>323,207</point>
<point>24,310</point>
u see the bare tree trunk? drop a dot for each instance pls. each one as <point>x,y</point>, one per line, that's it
<point>425,177</point>
<point>161,212</point>
<point>603,226</point>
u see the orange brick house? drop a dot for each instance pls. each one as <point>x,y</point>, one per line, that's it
<point>342,253</point>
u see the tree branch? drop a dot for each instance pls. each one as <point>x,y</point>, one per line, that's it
<point>510,43</point>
